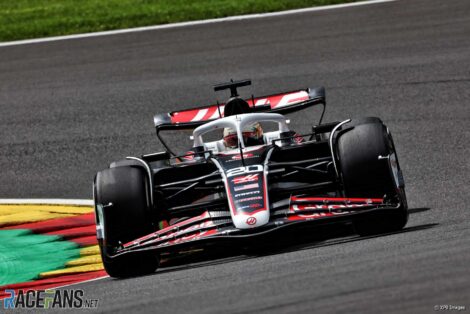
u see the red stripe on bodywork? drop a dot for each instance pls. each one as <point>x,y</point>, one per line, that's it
<point>209,113</point>
<point>190,237</point>
<point>337,199</point>
<point>184,116</point>
<point>314,207</point>
<point>273,100</point>
<point>178,235</point>
<point>186,222</point>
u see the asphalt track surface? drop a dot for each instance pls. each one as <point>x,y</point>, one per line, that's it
<point>69,107</point>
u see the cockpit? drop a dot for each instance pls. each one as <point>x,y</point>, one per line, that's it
<point>240,131</point>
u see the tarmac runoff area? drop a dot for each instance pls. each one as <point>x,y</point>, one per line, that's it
<point>70,107</point>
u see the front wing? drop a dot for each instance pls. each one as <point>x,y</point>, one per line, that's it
<point>216,226</point>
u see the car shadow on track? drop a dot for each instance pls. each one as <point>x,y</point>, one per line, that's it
<point>418,210</point>
<point>322,237</point>
<point>354,238</point>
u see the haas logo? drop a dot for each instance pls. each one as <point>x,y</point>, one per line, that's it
<point>251,221</point>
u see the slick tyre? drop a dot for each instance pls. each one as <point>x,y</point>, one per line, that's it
<point>122,213</point>
<point>365,174</point>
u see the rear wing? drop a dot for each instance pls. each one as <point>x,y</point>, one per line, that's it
<point>283,103</point>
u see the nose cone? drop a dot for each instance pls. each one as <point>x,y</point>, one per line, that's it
<point>254,220</point>
<point>248,198</point>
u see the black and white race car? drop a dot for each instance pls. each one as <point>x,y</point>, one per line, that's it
<point>247,176</point>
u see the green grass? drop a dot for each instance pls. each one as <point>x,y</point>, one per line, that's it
<point>22,19</point>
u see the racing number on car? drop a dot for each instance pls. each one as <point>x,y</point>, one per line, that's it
<point>242,170</point>
<point>246,186</point>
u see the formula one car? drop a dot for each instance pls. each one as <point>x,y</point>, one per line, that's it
<point>246,183</point>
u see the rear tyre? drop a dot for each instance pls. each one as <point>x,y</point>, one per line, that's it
<point>365,175</point>
<point>123,214</point>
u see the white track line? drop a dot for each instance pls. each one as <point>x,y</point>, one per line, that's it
<point>45,201</point>
<point>191,23</point>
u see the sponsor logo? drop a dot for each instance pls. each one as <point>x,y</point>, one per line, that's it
<point>245,156</point>
<point>48,299</point>
<point>243,207</point>
<point>247,193</point>
<point>326,207</point>
<point>245,179</point>
<point>246,187</point>
<point>254,205</point>
<point>254,198</point>
<point>251,221</point>
<point>318,215</point>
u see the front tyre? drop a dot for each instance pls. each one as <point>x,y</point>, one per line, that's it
<point>369,168</point>
<point>123,215</point>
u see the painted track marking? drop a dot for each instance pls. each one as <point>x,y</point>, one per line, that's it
<point>191,23</point>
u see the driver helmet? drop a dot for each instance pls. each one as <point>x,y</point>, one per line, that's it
<point>252,135</point>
